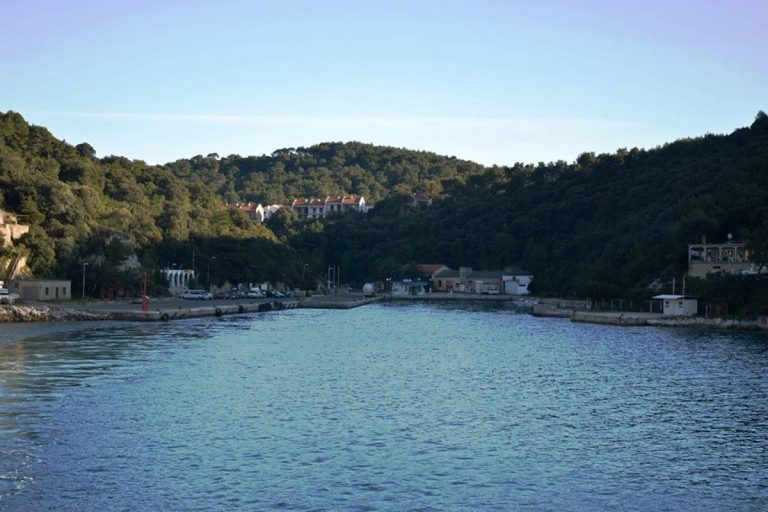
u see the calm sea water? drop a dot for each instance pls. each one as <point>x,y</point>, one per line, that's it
<point>385,407</point>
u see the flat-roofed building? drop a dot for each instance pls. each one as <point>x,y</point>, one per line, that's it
<point>678,305</point>
<point>730,258</point>
<point>42,289</point>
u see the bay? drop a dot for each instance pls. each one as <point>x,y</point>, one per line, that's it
<point>385,407</point>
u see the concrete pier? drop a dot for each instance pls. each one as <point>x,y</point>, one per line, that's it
<point>179,313</point>
<point>614,317</point>
<point>338,301</point>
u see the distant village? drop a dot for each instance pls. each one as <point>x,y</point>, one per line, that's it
<point>704,259</point>
<point>308,209</point>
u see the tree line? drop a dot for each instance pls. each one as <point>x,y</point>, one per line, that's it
<point>604,225</point>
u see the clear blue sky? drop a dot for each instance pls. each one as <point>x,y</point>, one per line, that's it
<point>492,81</point>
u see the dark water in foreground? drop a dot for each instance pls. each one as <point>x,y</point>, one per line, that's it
<point>384,408</point>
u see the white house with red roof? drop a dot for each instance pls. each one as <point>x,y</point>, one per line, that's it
<point>319,208</point>
<point>256,212</point>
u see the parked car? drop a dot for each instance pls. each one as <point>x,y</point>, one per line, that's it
<point>196,295</point>
<point>256,293</point>
<point>6,297</point>
<point>138,300</point>
<point>275,294</point>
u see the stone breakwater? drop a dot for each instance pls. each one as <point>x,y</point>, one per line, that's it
<point>42,313</point>
<point>717,323</point>
<point>628,318</point>
<point>18,313</point>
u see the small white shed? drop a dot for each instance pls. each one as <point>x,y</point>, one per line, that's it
<point>678,305</point>
<point>516,284</point>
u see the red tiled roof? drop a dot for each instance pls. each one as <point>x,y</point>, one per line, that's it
<point>429,268</point>
<point>352,200</point>
<point>246,207</point>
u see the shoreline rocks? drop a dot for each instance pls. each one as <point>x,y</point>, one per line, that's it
<point>15,313</point>
<point>19,313</point>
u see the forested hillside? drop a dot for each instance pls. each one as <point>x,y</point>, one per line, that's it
<point>604,225</point>
<point>102,210</point>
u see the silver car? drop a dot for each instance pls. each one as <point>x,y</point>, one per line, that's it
<point>196,295</point>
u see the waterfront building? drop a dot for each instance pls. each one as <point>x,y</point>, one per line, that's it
<point>42,289</point>
<point>430,269</point>
<point>728,258</point>
<point>409,287</point>
<point>516,282</point>
<point>678,305</point>
<point>491,282</point>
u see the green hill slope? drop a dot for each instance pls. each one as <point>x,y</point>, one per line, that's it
<point>605,225</point>
<point>600,227</point>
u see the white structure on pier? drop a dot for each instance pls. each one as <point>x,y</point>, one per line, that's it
<point>678,305</point>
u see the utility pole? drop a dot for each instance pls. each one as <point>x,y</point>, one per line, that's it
<point>144,298</point>
<point>84,265</point>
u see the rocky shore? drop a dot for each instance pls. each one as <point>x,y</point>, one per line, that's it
<point>19,313</point>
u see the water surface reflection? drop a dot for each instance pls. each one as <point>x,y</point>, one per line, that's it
<point>386,407</point>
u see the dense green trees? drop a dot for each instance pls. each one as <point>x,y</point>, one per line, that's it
<point>604,225</point>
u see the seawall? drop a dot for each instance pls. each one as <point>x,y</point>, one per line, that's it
<point>40,313</point>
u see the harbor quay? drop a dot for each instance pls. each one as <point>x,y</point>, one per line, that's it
<point>166,309</point>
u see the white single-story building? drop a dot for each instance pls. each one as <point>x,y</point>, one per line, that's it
<point>516,284</point>
<point>409,287</point>
<point>678,305</point>
<point>42,289</point>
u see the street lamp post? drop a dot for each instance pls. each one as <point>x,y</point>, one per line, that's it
<point>84,265</point>
<point>303,274</point>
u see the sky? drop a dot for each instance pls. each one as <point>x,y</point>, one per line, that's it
<point>497,82</point>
